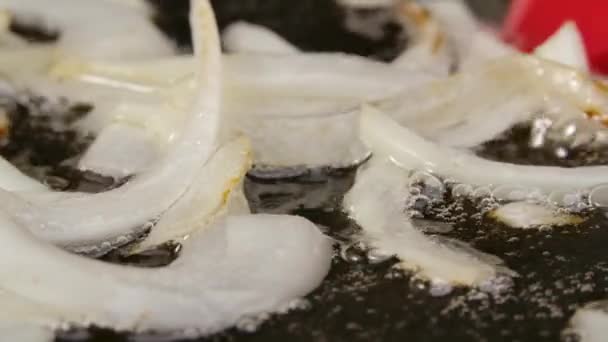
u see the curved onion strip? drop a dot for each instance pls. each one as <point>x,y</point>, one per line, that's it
<point>24,320</point>
<point>220,176</point>
<point>25,333</point>
<point>11,179</point>
<point>471,42</point>
<point>307,75</point>
<point>499,94</point>
<point>376,202</point>
<point>214,185</point>
<point>207,289</point>
<point>84,28</point>
<point>407,149</point>
<point>590,322</point>
<point>78,220</point>
<point>430,49</point>
<point>529,215</point>
<point>20,61</point>
<point>246,37</point>
<point>457,22</point>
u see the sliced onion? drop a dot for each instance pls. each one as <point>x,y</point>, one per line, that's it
<point>77,220</point>
<point>250,38</point>
<point>220,179</point>
<point>497,94</point>
<point>376,202</point>
<point>430,49</point>
<point>84,28</point>
<point>313,76</point>
<point>529,215</point>
<point>213,184</point>
<point>27,321</point>
<point>11,179</point>
<point>242,266</point>
<point>309,97</point>
<point>386,137</point>
<point>590,322</point>
<point>25,333</point>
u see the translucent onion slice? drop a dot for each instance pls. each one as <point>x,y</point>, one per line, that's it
<point>84,29</point>
<point>24,320</point>
<point>243,265</point>
<point>430,49</point>
<point>215,184</point>
<point>590,322</point>
<point>529,215</point>
<point>497,94</point>
<point>565,46</point>
<point>313,76</point>
<point>25,333</point>
<point>376,202</point>
<point>77,220</point>
<point>386,137</point>
<point>23,61</point>
<point>250,38</point>
<point>483,46</point>
<point>310,97</point>
<point>12,179</point>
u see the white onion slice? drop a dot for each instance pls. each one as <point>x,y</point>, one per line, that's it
<point>25,333</point>
<point>120,151</point>
<point>78,220</point>
<point>85,29</point>
<point>220,179</point>
<point>310,97</point>
<point>590,323</point>
<point>430,49</point>
<point>312,76</point>
<point>529,215</point>
<point>376,202</point>
<point>498,94</point>
<point>24,320</point>
<point>565,46</point>
<point>213,184</point>
<point>11,179</point>
<point>242,266</point>
<point>24,61</point>
<point>250,38</point>
<point>409,150</point>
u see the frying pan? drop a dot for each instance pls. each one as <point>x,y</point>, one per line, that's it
<point>365,298</point>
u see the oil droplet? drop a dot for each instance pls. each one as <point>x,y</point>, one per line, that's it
<point>510,193</point>
<point>483,191</point>
<point>432,186</point>
<point>462,190</point>
<point>563,198</point>
<point>440,288</point>
<point>353,253</point>
<point>376,256</point>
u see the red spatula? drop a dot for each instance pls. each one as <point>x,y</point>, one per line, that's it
<point>531,22</point>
